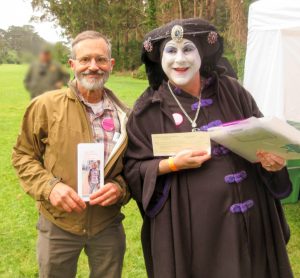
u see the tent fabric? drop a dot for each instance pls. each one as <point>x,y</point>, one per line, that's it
<point>272,65</point>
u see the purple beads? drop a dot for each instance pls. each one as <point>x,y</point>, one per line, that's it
<point>236,177</point>
<point>219,150</point>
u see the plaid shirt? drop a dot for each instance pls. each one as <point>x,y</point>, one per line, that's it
<point>109,138</point>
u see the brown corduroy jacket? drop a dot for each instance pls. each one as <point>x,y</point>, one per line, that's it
<point>46,152</point>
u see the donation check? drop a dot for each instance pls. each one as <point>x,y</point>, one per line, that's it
<point>168,144</point>
<point>248,136</point>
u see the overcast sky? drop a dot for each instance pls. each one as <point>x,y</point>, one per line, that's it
<point>19,12</point>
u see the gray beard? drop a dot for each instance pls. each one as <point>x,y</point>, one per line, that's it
<point>93,84</point>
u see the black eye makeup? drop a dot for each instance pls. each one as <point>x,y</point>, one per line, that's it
<point>170,49</point>
<point>189,48</point>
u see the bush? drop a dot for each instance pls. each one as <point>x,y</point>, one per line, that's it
<point>12,57</point>
<point>140,73</point>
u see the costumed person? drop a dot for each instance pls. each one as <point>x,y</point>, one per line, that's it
<point>212,216</point>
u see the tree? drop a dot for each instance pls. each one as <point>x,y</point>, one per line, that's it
<point>127,21</point>
<point>123,21</point>
<point>61,52</point>
<point>151,14</point>
<point>20,44</point>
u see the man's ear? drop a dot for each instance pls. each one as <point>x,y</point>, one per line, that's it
<point>112,63</point>
<point>71,63</point>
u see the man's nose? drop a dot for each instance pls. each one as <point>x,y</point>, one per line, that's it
<point>179,57</point>
<point>93,65</point>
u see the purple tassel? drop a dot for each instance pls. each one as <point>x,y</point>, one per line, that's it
<point>242,207</point>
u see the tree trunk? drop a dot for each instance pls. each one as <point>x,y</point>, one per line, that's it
<point>180,9</point>
<point>195,8</point>
<point>201,13</point>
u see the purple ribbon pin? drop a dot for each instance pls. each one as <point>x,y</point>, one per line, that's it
<point>204,102</point>
<point>236,177</point>
<point>242,207</point>
<point>211,124</point>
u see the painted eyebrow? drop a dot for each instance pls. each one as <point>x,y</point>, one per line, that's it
<point>189,43</point>
<point>170,44</point>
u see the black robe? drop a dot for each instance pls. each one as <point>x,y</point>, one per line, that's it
<point>220,220</point>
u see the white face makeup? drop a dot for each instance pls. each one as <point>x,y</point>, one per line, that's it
<point>181,61</point>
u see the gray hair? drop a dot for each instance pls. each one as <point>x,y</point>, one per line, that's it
<point>86,35</point>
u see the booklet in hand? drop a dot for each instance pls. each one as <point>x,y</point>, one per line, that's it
<point>269,134</point>
<point>90,159</point>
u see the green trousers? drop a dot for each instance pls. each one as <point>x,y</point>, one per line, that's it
<point>58,251</point>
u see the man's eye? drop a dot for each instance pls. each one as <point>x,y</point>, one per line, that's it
<point>170,50</point>
<point>188,49</point>
<point>101,60</point>
<point>84,60</point>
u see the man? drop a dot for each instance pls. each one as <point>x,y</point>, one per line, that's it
<point>94,177</point>
<point>45,75</point>
<point>45,159</point>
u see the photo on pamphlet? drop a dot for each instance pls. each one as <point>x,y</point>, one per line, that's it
<point>90,169</point>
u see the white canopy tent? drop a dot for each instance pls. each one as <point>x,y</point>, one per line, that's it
<point>272,66</point>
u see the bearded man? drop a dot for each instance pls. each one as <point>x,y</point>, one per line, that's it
<point>45,158</point>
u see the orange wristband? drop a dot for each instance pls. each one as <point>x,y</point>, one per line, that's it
<point>172,164</point>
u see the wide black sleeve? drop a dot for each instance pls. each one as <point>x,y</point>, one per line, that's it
<point>141,168</point>
<point>238,103</point>
<point>277,183</point>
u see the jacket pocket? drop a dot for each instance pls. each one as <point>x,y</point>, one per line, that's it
<point>56,213</point>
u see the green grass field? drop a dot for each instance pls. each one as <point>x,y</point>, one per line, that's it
<point>17,211</point>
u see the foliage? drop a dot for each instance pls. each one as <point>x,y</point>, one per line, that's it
<point>140,73</point>
<point>122,21</point>
<point>11,57</point>
<point>61,52</point>
<point>127,21</point>
<point>21,44</point>
<point>151,14</point>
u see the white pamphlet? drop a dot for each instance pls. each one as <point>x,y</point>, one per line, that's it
<point>90,161</point>
<point>270,134</point>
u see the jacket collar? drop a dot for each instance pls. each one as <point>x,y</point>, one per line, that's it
<point>146,99</point>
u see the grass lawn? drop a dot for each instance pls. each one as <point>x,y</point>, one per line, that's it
<point>17,211</point>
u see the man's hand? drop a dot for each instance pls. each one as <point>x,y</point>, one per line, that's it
<point>108,195</point>
<point>187,159</point>
<point>64,197</point>
<point>270,162</point>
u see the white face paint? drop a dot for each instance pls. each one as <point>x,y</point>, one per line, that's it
<point>181,61</point>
